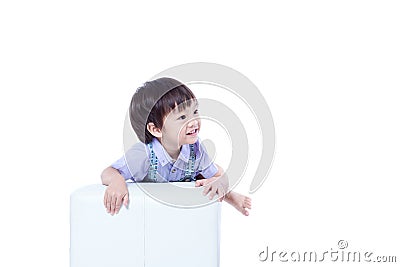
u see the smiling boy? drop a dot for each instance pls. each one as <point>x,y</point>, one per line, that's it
<point>164,115</point>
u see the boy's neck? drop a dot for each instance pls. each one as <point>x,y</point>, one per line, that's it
<point>173,151</point>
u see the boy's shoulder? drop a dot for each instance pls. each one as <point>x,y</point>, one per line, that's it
<point>137,151</point>
<point>139,146</point>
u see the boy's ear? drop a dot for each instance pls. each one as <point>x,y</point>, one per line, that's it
<point>156,132</point>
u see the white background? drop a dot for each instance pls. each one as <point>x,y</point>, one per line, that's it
<point>328,70</point>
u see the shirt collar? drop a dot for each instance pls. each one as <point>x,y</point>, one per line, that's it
<point>164,157</point>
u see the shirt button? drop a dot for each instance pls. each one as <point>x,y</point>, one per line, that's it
<point>173,170</point>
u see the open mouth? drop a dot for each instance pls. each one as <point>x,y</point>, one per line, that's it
<point>193,132</point>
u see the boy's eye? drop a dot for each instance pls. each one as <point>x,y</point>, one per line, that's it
<point>182,117</point>
<point>196,111</point>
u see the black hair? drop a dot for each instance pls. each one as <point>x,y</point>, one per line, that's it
<point>153,101</point>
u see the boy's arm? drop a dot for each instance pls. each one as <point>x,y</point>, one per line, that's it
<point>116,193</point>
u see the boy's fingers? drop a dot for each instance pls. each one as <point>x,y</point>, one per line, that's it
<point>105,200</point>
<point>108,203</point>
<point>213,192</point>
<point>126,200</point>
<point>221,193</point>
<point>207,189</point>
<point>113,200</point>
<point>202,182</point>
<point>118,204</point>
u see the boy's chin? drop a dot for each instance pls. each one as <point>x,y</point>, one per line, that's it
<point>190,141</point>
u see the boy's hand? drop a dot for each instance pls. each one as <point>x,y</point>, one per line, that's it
<point>115,195</point>
<point>214,186</point>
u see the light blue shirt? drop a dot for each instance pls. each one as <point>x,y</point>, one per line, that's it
<point>136,162</point>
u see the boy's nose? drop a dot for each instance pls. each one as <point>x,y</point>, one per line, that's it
<point>193,123</point>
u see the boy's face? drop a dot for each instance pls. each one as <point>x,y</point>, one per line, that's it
<point>181,127</point>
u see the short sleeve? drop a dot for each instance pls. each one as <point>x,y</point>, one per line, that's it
<point>134,164</point>
<point>206,166</point>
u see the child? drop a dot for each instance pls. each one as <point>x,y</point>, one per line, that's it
<point>164,116</point>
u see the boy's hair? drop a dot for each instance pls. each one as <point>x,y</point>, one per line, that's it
<point>153,101</point>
